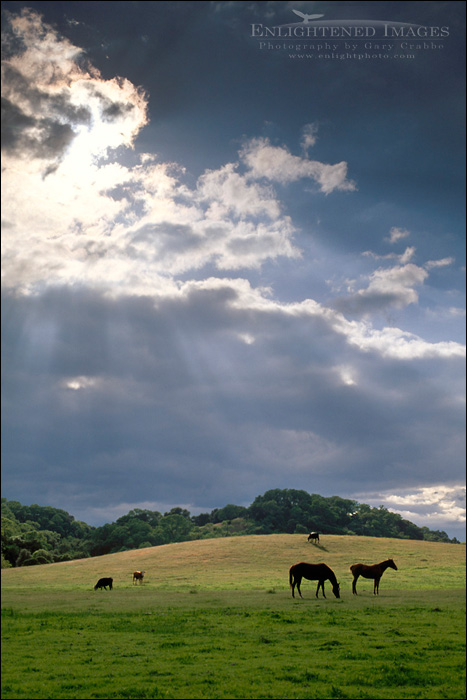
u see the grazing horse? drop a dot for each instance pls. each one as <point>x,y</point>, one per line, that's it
<point>375,572</point>
<point>103,583</point>
<point>313,572</point>
<point>138,576</point>
<point>314,537</point>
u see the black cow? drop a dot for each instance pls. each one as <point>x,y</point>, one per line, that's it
<point>103,583</point>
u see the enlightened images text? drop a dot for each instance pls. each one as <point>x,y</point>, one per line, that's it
<point>319,31</point>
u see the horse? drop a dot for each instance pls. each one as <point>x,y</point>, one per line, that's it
<point>103,583</point>
<point>313,536</point>
<point>138,576</point>
<point>375,572</point>
<point>312,572</point>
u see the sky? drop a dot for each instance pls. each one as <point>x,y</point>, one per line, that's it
<point>233,255</point>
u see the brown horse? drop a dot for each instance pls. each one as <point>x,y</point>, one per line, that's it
<point>314,537</point>
<point>312,572</point>
<point>375,572</point>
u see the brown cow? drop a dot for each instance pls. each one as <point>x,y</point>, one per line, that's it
<point>138,576</point>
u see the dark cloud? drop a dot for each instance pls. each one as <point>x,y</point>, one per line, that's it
<point>368,303</point>
<point>14,123</point>
<point>46,129</point>
<point>18,87</point>
<point>169,240</point>
<point>172,395</point>
<point>115,110</point>
<point>36,138</point>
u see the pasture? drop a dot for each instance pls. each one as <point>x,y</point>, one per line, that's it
<point>215,619</point>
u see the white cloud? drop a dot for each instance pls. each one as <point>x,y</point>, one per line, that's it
<point>347,375</point>
<point>397,282</point>
<point>230,193</point>
<point>77,383</point>
<point>309,137</point>
<point>433,506</point>
<point>455,312</point>
<point>387,288</point>
<point>277,164</point>
<point>397,234</point>
<point>403,259</point>
<point>407,255</point>
<point>388,343</point>
<point>397,344</point>
<point>94,221</point>
<point>131,230</point>
<point>444,262</point>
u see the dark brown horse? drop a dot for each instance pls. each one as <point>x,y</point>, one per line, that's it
<point>314,537</point>
<point>312,572</point>
<point>375,572</point>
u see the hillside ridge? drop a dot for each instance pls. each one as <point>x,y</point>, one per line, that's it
<point>252,561</point>
<point>42,534</point>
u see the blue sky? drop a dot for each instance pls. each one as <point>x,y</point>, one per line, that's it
<point>231,264</point>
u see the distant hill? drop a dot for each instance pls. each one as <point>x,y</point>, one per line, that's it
<point>253,562</point>
<point>36,534</point>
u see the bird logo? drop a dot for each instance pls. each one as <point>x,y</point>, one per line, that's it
<point>306,18</point>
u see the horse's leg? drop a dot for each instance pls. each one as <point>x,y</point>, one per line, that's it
<point>320,585</point>
<point>376,586</point>
<point>354,584</point>
<point>299,580</point>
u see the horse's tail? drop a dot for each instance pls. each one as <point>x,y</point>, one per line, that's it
<point>291,575</point>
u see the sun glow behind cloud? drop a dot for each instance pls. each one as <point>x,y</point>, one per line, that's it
<point>133,229</point>
<point>77,383</point>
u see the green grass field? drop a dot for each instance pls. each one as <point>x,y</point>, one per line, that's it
<point>215,619</point>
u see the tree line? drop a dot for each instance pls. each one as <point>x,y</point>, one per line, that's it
<point>41,534</point>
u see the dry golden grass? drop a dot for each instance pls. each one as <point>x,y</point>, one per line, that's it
<point>254,562</point>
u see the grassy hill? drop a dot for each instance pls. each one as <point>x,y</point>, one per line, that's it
<point>254,562</point>
<point>205,625</point>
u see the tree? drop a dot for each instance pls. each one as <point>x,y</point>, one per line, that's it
<point>23,555</point>
<point>228,512</point>
<point>175,528</point>
<point>201,519</point>
<point>179,511</point>
<point>42,556</point>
